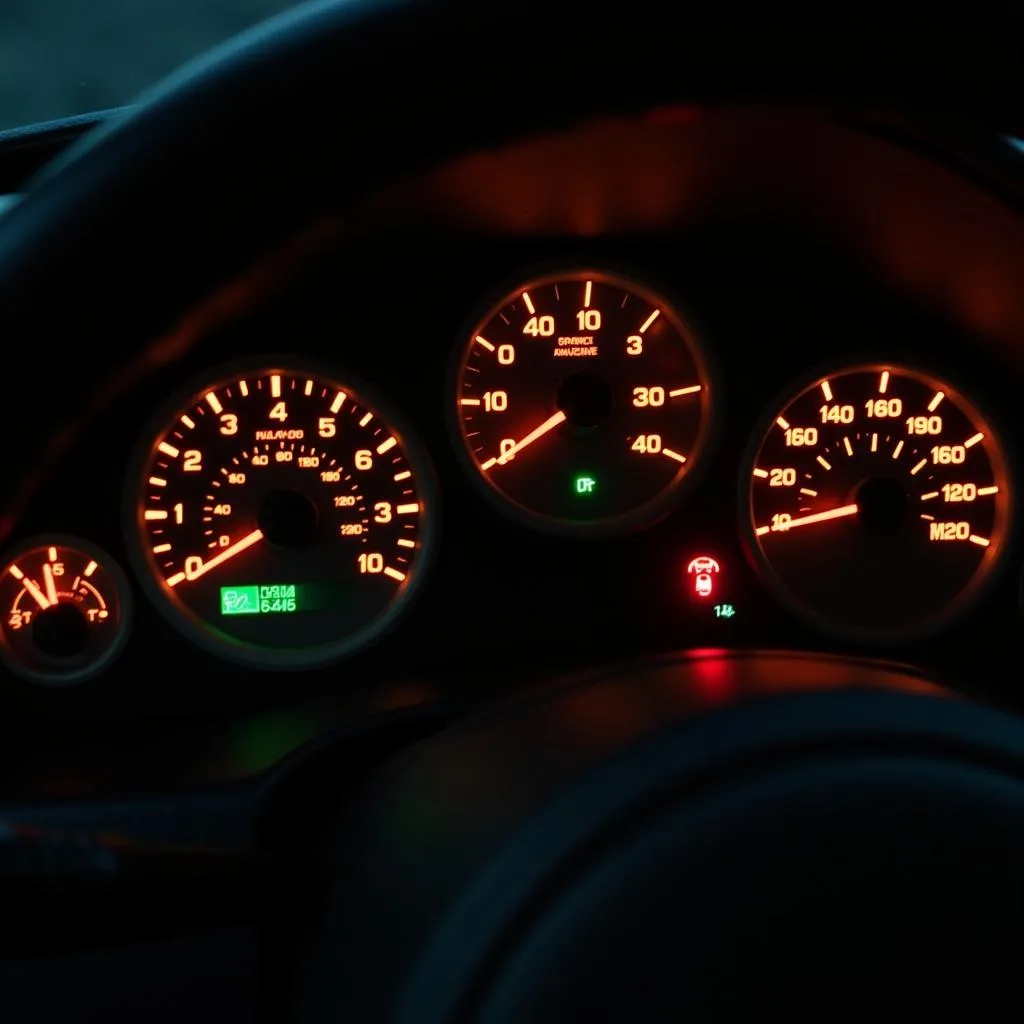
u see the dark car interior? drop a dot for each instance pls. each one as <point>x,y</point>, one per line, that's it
<point>517,524</point>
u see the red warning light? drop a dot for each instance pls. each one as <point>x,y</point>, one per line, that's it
<point>703,569</point>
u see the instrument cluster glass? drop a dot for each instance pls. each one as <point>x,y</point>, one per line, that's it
<point>281,514</point>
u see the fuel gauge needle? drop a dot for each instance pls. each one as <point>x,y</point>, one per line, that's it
<point>538,432</point>
<point>51,588</point>
<point>236,549</point>
<point>818,517</point>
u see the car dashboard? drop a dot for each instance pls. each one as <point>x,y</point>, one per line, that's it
<point>701,380</point>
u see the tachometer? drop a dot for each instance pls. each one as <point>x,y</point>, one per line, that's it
<point>280,516</point>
<point>878,502</point>
<point>583,403</point>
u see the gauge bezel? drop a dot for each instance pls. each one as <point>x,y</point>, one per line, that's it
<point>124,595</point>
<point>638,282</point>
<point>203,634</point>
<point>996,557</point>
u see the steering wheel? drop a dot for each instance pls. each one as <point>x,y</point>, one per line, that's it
<point>705,837</point>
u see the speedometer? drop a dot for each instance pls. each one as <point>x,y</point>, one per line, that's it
<point>878,501</point>
<point>280,516</point>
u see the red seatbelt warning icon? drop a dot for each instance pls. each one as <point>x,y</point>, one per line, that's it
<point>703,570</point>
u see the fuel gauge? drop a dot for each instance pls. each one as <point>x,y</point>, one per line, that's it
<point>66,609</point>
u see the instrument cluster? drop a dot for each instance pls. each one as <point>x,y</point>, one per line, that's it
<point>283,513</point>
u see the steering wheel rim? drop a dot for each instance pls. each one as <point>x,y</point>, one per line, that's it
<point>193,167</point>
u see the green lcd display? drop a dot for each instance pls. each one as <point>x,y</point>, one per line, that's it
<point>259,599</point>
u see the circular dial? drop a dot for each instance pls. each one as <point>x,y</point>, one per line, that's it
<point>282,518</point>
<point>583,402</point>
<point>66,608</point>
<point>879,501</point>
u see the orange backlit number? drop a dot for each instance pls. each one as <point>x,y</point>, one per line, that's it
<point>344,500</point>
<point>949,531</point>
<point>836,413</point>
<point>279,412</point>
<point>589,319</point>
<point>330,476</point>
<point>229,423</point>
<point>223,540</point>
<point>193,461</point>
<point>326,426</point>
<point>57,568</point>
<point>644,397</point>
<point>193,567</point>
<point>495,401</point>
<point>260,460</point>
<point>506,355</point>
<point>801,437</point>
<point>18,620</point>
<point>781,521</point>
<point>949,454</point>
<point>648,444</point>
<point>285,455</point>
<point>383,512</point>
<point>371,562</point>
<point>634,345</point>
<point>364,460</point>
<point>781,477</point>
<point>179,513</point>
<point>222,510</point>
<point>883,408</point>
<point>309,462</point>
<point>236,478</point>
<point>924,425</point>
<point>505,446</point>
<point>350,529</point>
<point>959,492</point>
<point>540,326</point>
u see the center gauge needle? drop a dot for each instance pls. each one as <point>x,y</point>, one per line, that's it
<point>549,424</point>
<point>818,517</point>
<point>237,548</point>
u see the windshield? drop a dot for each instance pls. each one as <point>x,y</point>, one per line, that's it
<point>63,57</point>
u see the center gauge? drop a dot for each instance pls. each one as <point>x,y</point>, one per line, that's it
<point>583,403</point>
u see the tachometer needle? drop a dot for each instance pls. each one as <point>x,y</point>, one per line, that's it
<point>818,517</point>
<point>549,424</point>
<point>237,548</point>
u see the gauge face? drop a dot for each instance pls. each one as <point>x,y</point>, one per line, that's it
<point>878,502</point>
<point>66,609</point>
<point>583,403</point>
<point>282,518</point>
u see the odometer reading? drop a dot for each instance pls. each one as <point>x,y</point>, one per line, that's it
<point>281,516</point>
<point>879,501</point>
<point>583,402</point>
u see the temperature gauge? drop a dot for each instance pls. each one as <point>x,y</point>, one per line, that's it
<point>66,608</point>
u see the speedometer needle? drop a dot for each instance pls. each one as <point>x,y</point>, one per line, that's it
<point>237,548</point>
<point>818,517</point>
<point>549,424</point>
